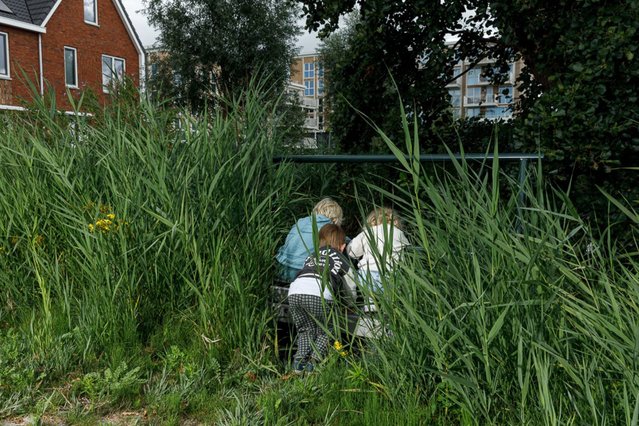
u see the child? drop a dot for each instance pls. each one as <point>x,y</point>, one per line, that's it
<point>311,294</point>
<point>299,241</point>
<point>377,247</point>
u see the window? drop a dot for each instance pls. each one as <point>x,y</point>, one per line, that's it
<point>112,71</point>
<point>473,112</point>
<point>493,113</point>
<point>320,69</point>
<point>320,86</point>
<point>505,95</point>
<point>4,55</point>
<point>453,80</point>
<point>309,70</point>
<point>455,97</point>
<point>455,101</point>
<point>310,88</point>
<point>473,76</point>
<point>473,95</point>
<point>70,67</point>
<point>91,11</point>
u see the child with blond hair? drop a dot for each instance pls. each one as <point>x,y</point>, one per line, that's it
<point>299,241</point>
<point>311,295</point>
<point>377,248</point>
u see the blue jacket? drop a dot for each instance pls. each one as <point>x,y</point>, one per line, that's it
<point>299,244</point>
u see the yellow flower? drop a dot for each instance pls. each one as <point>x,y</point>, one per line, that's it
<point>340,348</point>
<point>110,216</point>
<point>91,227</point>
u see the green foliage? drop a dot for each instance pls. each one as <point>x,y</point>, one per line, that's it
<point>388,38</point>
<point>109,386</point>
<point>578,103</point>
<point>220,46</point>
<point>498,315</point>
<point>506,315</point>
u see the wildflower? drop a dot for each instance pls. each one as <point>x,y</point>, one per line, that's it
<point>91,227</point>
<point>340,348</point>
<point>110,216</point>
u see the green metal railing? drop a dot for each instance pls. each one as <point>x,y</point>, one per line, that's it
<point>433,158</point>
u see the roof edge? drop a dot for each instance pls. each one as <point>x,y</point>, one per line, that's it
<point>133,35</point>
<point>50,14</point>
<point>22,25</point>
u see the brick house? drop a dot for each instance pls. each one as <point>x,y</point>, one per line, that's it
<point>68,44</point>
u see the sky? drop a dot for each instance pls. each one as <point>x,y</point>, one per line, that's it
<point>307,42</point>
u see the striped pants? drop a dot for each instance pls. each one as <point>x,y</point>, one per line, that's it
<point>310,316</point>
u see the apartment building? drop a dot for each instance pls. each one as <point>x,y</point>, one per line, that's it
<point>472,94</point>
<point>307,72</point>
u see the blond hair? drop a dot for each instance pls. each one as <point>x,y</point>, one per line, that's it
<point>332,235</point>
<point>382,215</point>
<point>329,208</point>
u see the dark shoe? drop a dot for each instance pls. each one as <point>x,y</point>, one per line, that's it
<point>299,367</point>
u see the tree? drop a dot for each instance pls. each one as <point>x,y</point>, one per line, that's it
<point>385,39</point>
<point>219,45</point>
<point>579,83</point>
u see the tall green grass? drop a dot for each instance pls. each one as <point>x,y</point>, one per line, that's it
<point>499,314</point>
<point>496,318</point>
<point>125,233</point>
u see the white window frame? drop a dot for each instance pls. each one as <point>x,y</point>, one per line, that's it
<point>95,12</point>
<point>309,70</point>
<point>6,76</point>
<point>75,67</point>
<point>105,87</point>
<point>309,87</point>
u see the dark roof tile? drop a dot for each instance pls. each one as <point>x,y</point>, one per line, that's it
<point>39,9</point>
<point>19,9</point>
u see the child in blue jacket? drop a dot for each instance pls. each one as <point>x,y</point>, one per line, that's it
<point>299,241</point>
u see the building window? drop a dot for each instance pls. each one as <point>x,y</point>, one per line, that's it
<point>453,80</point>
<point>473,95</point>
<point>309,88</point>
<point>320,69</point>
<point>4,55</point>
<point>112,71</point>
<point>473,76</point>
<point>309,70</point>
<point>455,97</point>
<point>70,67</point>
<point>320,86</point>
<point>493,113</point>
<point>91,11</point>
<point>505,95</point>
<point>455,101</point>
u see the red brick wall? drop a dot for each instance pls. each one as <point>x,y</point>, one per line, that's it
<point>23,53</point>
<point>67,28</point>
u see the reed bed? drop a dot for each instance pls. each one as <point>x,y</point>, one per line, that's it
<point>136,257</point>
